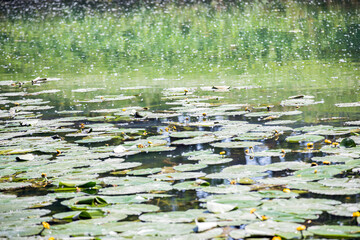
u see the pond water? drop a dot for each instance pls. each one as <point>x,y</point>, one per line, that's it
<point>179,120</point>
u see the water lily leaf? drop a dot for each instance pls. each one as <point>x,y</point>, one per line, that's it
<point>263,114</point>
<point>210,234</point>
<point>26,157</point>
<point>351,152</point>
<point>13,203</point>
<point>196,140</point>
<point>191,185</point>
<point>348,143</point>
<point>286,165</point>
<point>277,194</point>
<point>190,167</point>
<point>83,90</point>
<point>240,200</point>
<point>280,122</point>
<point>320,172</point>
<point>14,185</point>
<point>341,182</point>
<point>355,123</point>
<point>235,144</point>
<point>270,153</point>
<point>335,231</point>
<point>189,134</point>
<point>215,207</point>
<point>242,173</point>
<point>345,209</point>
<point>254,136</point>
<point>238,234</point>
<point>79,215</point>
<point>20,231</point>
<point>318,188</point>
<point>210,159</point>
<point>271,228</point>
<point>314,128</point>
<point>226,189</point>
<point>298,102</point>
<point>333,159</point>
<point>350,104</point>
<point>130,229</point>
<point>130,209</point>
<point>304,138</point>
<point>177,176</point>
<point>145,171</point>
<point>70,112</point>
<point>196,153</point>
<point>126,181</point>
<point>76,228</point>
<point>142,188</point>
<point>169,217</point>
<point>80,184</point>
<point>94,140</point>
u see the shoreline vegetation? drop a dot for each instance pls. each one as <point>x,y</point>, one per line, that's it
<point>171,37</point>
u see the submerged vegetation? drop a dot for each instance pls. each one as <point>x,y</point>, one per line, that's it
<point>186,120</point>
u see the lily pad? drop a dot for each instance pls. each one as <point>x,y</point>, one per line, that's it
<point>145,171</point>
<point>177,176</point>
<point>235,144</point>
<point>304,138</point>
<point>190,167</point>
<point>335,231</point>
<point>169,217</point>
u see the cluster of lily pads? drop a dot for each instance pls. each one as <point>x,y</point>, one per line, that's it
<point>72,175</point>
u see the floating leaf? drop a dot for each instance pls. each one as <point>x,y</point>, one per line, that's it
<point>190,167</point>
<point>177,176</point>
<point>335,231</point>
<point>304,138</point>
<point>215,207</point>
<point>235,144</point>
<point>145,171</point>
<point>348,143</point>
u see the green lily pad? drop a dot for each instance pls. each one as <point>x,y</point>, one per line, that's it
<point>348,143</point>
<point>277,194</point>
<point>141,188</point>
<point>238,234</point>
<point>235,144</point>
<point>190,134</point>
<point>190,167</point>
<point>226,189</point>
<point>80,215</point>
<point>350,104</point>
<point>345,209</point>
<point>254,136</point>
<point>335,231</point>
<point>280,122</point>
<point>321,172</point>
<point>130,229</point>
<point>210,234</point>
<point>145,171</point>
<point>169,217</point>
<point>333,159</point>
<point>191,185</point>
<point>215,207</point>
<point>196,140</point>
<point>94,140</point>
<point>271,228</point>
<point>318,188</point>
<point>177,176</point>
<point>341,182</point>
<point>304,138</point>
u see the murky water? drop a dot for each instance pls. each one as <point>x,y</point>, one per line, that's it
<point>263,52</point>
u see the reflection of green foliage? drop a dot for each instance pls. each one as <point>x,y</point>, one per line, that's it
<point>197,37</point>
